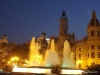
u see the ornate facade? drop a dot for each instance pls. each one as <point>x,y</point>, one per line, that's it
<point>87,50</point>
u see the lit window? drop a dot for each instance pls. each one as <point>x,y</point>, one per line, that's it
<point>92,55</point>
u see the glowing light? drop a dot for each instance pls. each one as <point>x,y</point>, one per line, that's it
<point>26,61</point>
<point>31,70</point>
<point>8,62</point>
<point>78,62</point>
<point>47,39</point>
<point>46,71</point>
<point>37,59</point>
<point>64,71</point>
<point>14,59</point>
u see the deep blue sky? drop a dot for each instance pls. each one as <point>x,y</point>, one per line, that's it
<point>20,20</point>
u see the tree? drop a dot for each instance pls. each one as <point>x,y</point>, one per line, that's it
<point>94,70</point>
<point>56,69</point>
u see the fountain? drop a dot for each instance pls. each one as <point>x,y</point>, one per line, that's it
<point>35,59</point>
<point>68,59</point>
<point>51,58</point>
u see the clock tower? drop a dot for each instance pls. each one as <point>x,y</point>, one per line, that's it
<point>63,31</point>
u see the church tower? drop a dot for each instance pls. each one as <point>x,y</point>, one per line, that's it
<point>63,31</point>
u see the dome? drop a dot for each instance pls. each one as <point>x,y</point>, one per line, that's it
<point>94,21</point>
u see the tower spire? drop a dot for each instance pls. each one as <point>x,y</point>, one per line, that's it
<point>63,14</point>
<point>93,14</point>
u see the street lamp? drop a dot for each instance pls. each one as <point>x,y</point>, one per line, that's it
<point>78,62</point>
<point>14,61</point>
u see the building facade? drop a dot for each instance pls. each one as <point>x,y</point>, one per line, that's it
<point>87,50</point>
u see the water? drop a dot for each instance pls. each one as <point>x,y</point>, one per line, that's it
<point>35,59</point>
<point>51,57</point>
<point>68,59</point>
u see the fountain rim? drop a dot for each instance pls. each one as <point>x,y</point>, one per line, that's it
<point>51,67</point>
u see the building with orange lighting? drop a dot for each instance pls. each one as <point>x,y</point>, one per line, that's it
<point>87,50</point>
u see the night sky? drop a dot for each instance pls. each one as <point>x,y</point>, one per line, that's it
<point>20,20</point>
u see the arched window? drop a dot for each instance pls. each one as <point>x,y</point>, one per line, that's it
<point>92,55</point>
<point>92,47</point>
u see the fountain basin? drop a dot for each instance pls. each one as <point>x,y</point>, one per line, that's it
<point>46,70</point>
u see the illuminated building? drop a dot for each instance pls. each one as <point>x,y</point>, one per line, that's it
<point>3,52</point>
<point>87,50</point>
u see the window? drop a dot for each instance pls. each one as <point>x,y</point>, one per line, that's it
<point>80,49</point>
<point>98,54</point>
<point>92,47</point>
<point>79,56</point>
<point>92,33</point>
<point>88,55</point>
<point>98,33</point>
<point>92,55</point>
<point>98,46</point>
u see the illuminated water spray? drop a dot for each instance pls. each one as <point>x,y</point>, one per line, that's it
<point>68,59</point>
<point>51,57</point>
<point>35,59</point>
